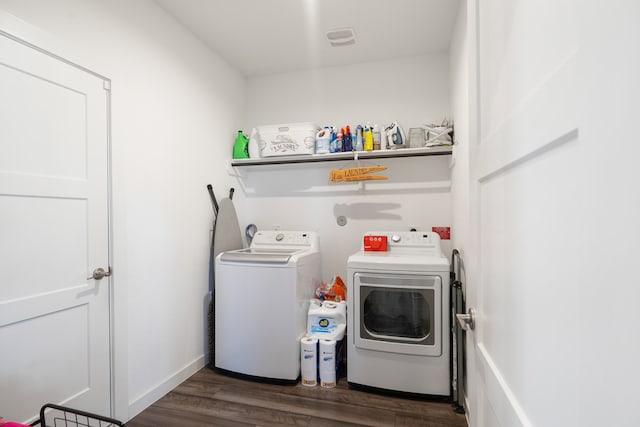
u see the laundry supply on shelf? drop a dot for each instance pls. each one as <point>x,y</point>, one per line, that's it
<point>368,138</point>
<point>241,146</point>
<point>395,136</point>
<point>323,140</point>
<point>254,144</point>
<point>287,139</point>
<point>347,142</point>
<point>333,145</point>
<point>307,138</point>
<point>359,143</point>
<point>376,138</point>
<point>339,145</point>
<point>441,134</point>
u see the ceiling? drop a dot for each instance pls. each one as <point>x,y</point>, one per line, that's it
<point>275,36</point>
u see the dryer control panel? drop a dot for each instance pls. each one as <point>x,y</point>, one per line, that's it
<point>405,240</point>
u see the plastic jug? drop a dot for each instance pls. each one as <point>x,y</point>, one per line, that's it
<point>241,147</point>
<point>327,320</point>
<point>323,140</point>
<point>376,137</point>
<point>254,144</point>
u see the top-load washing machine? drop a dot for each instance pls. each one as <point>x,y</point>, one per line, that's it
<point>398,316</point>
<point>261,300</point>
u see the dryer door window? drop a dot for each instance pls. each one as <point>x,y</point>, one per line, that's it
<point>402,315</point>
<point>398,313</point>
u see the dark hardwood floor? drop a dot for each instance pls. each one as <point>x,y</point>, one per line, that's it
<point>212,399</point>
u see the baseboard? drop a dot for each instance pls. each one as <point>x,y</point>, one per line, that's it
<point>465,405</point>
<point>498,393</point>
<point>147,399</point>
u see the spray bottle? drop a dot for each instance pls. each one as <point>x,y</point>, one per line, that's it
<point>347,143</point>
<point>358,146</point>
<point>376,137</point>
<point>333,145</point>
<point>368,138</point>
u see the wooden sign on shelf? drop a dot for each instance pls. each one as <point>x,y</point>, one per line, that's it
<point>356,174</point>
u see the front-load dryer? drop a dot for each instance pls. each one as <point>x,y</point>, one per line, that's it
<point>261,301</point>
<point>398,316</point>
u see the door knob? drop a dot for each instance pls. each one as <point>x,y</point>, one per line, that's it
<point>467,321</point>
<point>99,273</point>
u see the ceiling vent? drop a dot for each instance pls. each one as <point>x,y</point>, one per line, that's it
<point>341,37</point>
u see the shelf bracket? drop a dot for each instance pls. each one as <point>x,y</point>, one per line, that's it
<point>232,170</point>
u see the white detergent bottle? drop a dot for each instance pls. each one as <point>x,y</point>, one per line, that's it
<point>358,144</point>
<point>323,140</point>
<point>376,137</point>
<point>254,144</point>
<point>327,320</point>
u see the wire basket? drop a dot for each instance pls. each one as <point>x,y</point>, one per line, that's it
<point>60,416</point>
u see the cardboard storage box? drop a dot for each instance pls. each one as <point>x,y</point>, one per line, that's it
<point>287,139</point>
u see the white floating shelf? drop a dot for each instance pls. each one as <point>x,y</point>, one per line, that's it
<point>353,155</point>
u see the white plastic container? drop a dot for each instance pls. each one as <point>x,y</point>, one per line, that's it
<point>287,139</point>
<point>327,320</point>
<point>254,144</point>
<point>323,141</point>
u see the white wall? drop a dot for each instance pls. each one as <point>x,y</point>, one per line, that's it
<point>412,90</point>
<point>608,208</point>
<point>175,109</point>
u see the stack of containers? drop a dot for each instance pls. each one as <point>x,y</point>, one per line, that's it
<point>326,325</point>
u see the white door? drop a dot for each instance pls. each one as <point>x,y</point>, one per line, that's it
<point>555,210</point>
<point>54,322</point>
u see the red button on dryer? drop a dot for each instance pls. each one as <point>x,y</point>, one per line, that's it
<point>375,243</point>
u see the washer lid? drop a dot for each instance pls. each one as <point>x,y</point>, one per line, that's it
<point>260,256</point>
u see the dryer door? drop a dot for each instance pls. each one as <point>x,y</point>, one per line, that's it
<point>398,313</point>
